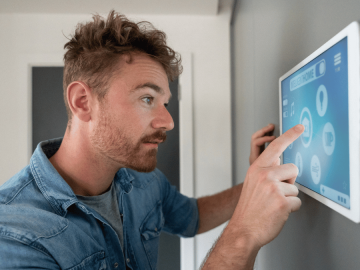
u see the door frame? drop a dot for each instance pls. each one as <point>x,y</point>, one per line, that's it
<point>187,183</point>
<point>25,63</point>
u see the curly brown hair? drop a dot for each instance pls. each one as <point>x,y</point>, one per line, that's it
<point>93,52</point>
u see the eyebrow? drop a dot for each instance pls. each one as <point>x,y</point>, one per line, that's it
<point>155,87</point>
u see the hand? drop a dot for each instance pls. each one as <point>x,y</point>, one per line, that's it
<point>268,196</point>
<point>258,140</point>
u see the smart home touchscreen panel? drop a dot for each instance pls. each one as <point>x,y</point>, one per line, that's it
<point>317,97</point>
<point>316,93</point>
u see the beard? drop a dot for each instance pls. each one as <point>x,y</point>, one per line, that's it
<point>115,144</point>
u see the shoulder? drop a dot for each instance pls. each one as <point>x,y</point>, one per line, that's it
<point>34,237</point>
<point>25,214</point>
<point>27,224</point>
<point>15,185</point>
<point>22,189</point>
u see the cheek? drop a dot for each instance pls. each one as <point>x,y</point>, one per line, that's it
<point>131,118</point>
<point>134,123</point>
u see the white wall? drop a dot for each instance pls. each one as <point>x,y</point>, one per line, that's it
<point>38,39</point>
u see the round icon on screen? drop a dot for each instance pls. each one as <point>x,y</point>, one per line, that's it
<point>321,100</point>
<point>299,163</point>
<point>315,169</point>
<point>322,68</point>
<point>328,138</point>
<point>306,121</point>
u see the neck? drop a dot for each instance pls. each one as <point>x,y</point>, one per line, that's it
<point>87,172</point>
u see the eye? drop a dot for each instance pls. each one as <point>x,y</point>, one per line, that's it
<point>148,100</point>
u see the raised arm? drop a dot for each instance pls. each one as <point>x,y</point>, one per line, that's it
<point>268,197</point>
<point>216,209</point>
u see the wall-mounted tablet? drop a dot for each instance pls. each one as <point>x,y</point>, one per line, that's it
<point>322,93</point>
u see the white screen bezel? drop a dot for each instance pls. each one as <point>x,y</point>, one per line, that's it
<point>352,34</point>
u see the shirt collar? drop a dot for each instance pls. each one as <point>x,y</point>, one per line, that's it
<point>54,188</point>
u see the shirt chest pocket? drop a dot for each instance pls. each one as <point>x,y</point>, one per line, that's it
<point>150,231</point>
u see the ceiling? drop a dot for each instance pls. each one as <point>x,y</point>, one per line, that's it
<point>156,7</point>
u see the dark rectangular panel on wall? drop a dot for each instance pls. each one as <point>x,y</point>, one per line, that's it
<point>49,117</point>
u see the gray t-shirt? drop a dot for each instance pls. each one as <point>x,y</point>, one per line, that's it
<point>107,206</point>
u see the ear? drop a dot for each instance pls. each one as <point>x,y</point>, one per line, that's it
<point>80,99</point>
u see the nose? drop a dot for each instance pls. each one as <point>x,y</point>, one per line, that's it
<point>163,120</point>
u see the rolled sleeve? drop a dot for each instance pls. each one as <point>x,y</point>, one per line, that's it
<point>180,212</point>
<point>193,220</point>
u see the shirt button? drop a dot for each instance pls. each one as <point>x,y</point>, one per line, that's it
<point>116,265</point>
<point>127,260</point>
<point>155,229</point>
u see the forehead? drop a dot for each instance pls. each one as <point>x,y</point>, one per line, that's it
<point>142,69</point>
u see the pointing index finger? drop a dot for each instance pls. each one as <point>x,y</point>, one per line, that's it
<point>275,149</point>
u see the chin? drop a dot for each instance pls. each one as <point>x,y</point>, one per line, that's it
<point>145,165</point>
<point>143,169</point>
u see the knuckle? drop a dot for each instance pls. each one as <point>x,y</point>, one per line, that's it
<point>296,204</point>
<point>296,190</point>
<point>299,202</point>
<point>294,167</point>
<point>271,175</point>
<point>264,175</point>
<point>275,144</point>
<point>270,187</point>
<point>282,204</point>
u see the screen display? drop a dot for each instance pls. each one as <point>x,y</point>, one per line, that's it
<point>316,96</point>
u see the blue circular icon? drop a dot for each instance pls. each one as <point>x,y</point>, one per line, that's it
<point>321,100</point>
<point>306,121</point>
<point>328,138</point>
<point>322,68</point>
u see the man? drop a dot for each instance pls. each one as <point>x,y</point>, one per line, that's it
<point>94,199</point>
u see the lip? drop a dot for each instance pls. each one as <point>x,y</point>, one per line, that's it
<point>153,145</point>
<point>154,141</point>
<point>157,141</point>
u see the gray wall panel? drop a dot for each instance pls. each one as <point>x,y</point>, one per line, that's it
<point>269,38</point>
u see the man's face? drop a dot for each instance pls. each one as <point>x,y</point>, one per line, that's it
<point>132,119</point>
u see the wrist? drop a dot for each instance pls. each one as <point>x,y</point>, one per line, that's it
<point>242,241</point>
<point>234,250</point>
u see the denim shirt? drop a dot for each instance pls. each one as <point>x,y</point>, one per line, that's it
<point>43,225</point>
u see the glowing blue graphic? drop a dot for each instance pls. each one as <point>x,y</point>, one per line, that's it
<point>321,100</point>
<point>318,93</point>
